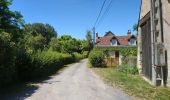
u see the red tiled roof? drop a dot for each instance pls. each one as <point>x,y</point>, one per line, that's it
<point>123,40</point>
<point>106,40</point>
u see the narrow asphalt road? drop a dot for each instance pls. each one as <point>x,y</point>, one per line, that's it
<point>77,82</point>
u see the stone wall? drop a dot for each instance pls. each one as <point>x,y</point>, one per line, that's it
<point>145,8</point>
<point>138,53</point>
<point>166,32</point>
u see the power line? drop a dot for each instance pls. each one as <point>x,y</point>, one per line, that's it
<point>106,11</point>
<point>97,20</point>
<point>100,13</point>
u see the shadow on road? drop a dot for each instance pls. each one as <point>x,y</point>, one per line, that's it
<point>19,92</point>
<point>24,90</point>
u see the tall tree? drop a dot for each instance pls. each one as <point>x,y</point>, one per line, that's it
<point>89,43</point>
<point>46,30</point>
<point>69,44</point>
<point>31,44</point>
<point>10,21</point>
<point>54,44</point>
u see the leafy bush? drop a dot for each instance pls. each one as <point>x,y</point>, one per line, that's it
<point>96,58</point>
<point>77,56</point>
<point>128,69</point>
<point>43,63</point>
<point>85,54</point>
<point>7,59</point>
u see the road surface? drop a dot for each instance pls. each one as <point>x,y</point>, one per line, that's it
<point>77,82</point>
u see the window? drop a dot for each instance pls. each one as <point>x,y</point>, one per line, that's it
<point>132,42</point>
<point>114,42</point>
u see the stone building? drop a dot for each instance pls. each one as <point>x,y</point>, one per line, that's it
<point>110,40</point>
<point>154,41</point>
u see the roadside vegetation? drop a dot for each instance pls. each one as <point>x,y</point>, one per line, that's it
<point>133,85</point>
<point>31,51</point>
<point>96,58</point>
<point>126,76</point>
<point>97,55</point>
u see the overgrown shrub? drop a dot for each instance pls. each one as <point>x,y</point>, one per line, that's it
<point>128,69</point>
<point>77,56</point>
<point>96,58</point>
<point>42,63</point>
<point>7,59</point>
<point>25,65</point>
<point>85,54</point>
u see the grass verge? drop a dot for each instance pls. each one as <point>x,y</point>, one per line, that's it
<point>133,85</point>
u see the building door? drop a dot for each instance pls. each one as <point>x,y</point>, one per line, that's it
<point>117,57</point>
<point>146,49</point>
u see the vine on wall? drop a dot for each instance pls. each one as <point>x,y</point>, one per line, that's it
<point>125,51</point>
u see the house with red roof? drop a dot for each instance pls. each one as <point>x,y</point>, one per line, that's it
<point>110,40</point>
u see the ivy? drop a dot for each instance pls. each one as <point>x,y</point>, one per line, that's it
<point>125,51</point>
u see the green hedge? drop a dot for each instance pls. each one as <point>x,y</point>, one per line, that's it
<point>7,59</point>
<point>77,56</point>
<point>27,67</point>
<point>85,54</point>
<point>96,58</point>
<point>43,63</point>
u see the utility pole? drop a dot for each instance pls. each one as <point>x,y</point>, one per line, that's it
<point>93,36</point>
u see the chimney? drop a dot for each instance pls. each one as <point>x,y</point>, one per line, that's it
<point>129,33</point>
<point>97,36</point>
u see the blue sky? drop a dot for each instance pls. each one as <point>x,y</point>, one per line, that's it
<point>74,17</point>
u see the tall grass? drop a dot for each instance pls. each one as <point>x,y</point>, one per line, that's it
<point>133,85</point>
